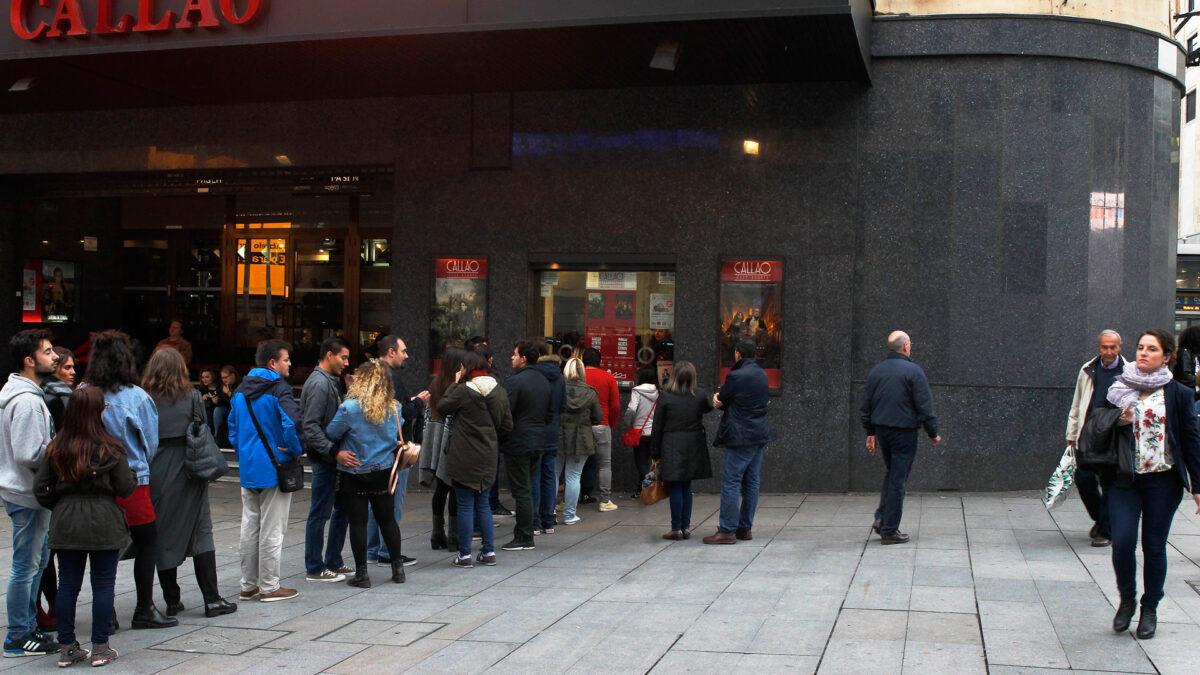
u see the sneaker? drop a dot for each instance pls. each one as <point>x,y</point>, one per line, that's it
<point>573,520</point>
<point>384,561</point>
<point>538,533</point>
<point>608,506</point>
<point>548,530</point>
<point>328,576</point>
<point>502,512</point>
<point>31,645</point>
<point>344,569</point>
<point>587,499</point>
<point>246,596</point>
<point>408,562</point>
<point>518,545</point>
<point>278,594</point>
<point>462,562</point>
<point>488,559</point>
<point>370,561</point>
<point>102,655</point>
<point>71,654</point>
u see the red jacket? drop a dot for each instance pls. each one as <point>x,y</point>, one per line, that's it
<point>610,397</point>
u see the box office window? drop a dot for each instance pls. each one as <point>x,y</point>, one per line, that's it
<point>629,315</point>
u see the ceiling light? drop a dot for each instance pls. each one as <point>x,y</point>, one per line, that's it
<point>750,147</point>
<point>283,160</point>
<point>22,84</point>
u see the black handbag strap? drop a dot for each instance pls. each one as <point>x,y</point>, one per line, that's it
<point>261,436</point>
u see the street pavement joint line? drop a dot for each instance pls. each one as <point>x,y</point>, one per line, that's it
<point>842,607</point>
<point>662,656</point>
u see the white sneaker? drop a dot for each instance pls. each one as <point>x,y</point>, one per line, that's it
<point>572,521</point>
<point>327,576</point>
<point>608,506</point>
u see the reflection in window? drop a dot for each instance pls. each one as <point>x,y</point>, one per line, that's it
<point>375,294</point>
<point>1187,273</point>
<point>1108,211</point>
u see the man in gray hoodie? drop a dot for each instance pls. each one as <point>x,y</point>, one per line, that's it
<point>25,430</point>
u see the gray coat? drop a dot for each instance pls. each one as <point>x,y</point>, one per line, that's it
<point>180,504</point>
<point>319,401</point>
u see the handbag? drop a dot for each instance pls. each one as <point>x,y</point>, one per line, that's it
<point>1062,479</point>
<point>633,435</point>
<point>654,490</point>
<point>289,473</point>
<point>204,460</point>
<point>1100,440</point>
<point>406,456</point>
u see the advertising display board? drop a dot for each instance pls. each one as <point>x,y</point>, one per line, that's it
<point>610,324</point>
<point>49,289</point>
<point>459,309</point>
<point>751,307</point>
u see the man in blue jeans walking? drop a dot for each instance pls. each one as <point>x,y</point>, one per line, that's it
<point>319,402</point>
<point>25,430</point>
<point>896,403</point>
<point>744,433</point>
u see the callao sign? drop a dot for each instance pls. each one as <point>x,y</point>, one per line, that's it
<point>752,270</point>
<point>461,268</point>
<point>33,19</point>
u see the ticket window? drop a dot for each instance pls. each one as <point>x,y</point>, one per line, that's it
<point>628,315</point>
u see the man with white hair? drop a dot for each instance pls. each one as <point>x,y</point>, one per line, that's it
<point>896,403</point>
<point>1091,393</point>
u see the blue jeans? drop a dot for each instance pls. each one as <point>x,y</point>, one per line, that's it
<point>30,554</point>
<point>898,448</point>
<point>545,492</point>
<point>574,472</point>
<point>740,477</point>
<point>681,505</point>
<point>324,508</point>
<point>474,509</point>
<point>1150,501</point>
<point>70,580</point>
<point>376,546</point>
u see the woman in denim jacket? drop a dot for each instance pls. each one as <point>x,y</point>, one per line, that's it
<point>366,428</point>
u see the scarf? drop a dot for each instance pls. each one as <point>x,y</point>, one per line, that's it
<point>1132,381</point>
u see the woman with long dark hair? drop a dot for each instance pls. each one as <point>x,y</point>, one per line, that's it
<point>432,448</point>
<point>1164,461</point>
<point>643,401</point>
<point>56,389</point>
<point>180,503</point>
<point>85,473</point>
<point>367,428</point>
<point>132,418</point>
<point>679,444</point>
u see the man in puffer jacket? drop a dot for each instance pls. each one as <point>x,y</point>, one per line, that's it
<point>265,394</point>
<point>545,485</point>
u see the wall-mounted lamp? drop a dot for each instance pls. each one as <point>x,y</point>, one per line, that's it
<point>750,147</point>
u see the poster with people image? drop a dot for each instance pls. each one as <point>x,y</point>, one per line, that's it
<point>49,291</point>
<point>751,308</point>
<point>459,310</point>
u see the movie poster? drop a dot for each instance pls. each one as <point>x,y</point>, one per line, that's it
<point>752,308</point>
<point>49,291</point>
<point>610,325</point>
<point>459,309</point>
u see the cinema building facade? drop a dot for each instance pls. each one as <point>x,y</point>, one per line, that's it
<point>657,180</point>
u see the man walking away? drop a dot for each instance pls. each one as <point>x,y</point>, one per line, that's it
<point>319,402</point>
<point>394,352</point>
<point>896,402</point>
<point>610,404</point>
<point>530,400</point>
<point>266,396</point>
<point>545,492</point>
<point>744,433</point>
<point>1091,393</point>
<point>26,428</point>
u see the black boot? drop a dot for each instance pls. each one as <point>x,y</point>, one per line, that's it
<point>168,580</point>
<point>1124,614</point>
<point>360,579</point>
<point>150,617</point>
<point>452,532</point>
<point>437,540</point>
<point>1148,623</point>
<point>116,624</point>
<point>398,569</point>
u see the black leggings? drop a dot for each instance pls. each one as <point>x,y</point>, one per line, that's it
<point>50,585</point>
<point>440,492</point>
<point>206,579</point>
<point>356,512</point>
<point>145,538</point>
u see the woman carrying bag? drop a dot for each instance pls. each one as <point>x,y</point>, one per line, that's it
<point>366,429</point>
<point>639,422</point>
<point>1162,461</point>
<point>180,503</point>
<point>481,414</point>
<point>679,445</point>
<point>576,441</point>
<point>430,470</point>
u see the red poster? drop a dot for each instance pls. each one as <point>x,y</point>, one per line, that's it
<point>751,308</point>
<point>610,327</point>
<point>31,292</point>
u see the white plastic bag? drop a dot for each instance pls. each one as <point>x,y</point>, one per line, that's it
<point>1062,479</point>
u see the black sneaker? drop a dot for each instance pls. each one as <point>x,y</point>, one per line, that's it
<point>462,562</point>
<point>488,559</point>
<point>587,499</point>
<point>31,645</point>
<point>408,562</point>
<point>384,561</point>
<point>502,511</point>
<point>518,545</point>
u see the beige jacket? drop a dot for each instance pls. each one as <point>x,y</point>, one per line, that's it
<point>1085,384</point>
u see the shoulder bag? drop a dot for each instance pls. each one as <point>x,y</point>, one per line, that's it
<point>204,460</point>
<point>633,435</point>
<point>406,456</point>
<point>654,490</point>
<point>289,473</point>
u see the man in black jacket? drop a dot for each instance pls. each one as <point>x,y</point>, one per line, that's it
<point>529,398</point>
<point>319,402</point>
<point>545,484</point>
<point>744,433</point>
<point>896,402</point>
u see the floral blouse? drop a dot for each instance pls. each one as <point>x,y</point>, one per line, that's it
<point>1150,434</point>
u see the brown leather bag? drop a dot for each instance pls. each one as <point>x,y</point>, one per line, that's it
<point>407,455</point>
<point>656,491</point>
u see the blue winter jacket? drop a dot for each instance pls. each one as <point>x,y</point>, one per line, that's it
<point>277,413</point>
<point>897,395</point>
<point>373,444</point>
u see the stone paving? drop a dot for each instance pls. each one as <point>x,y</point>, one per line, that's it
<point>990,583</point>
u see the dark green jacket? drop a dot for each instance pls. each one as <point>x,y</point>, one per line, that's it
<point>85,515</point>
<point>582,411</point>
<point>481,415</point>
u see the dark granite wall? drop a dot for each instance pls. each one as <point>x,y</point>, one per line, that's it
<point>951,199</point>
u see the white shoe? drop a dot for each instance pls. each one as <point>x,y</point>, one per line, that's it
<point>572,521</point>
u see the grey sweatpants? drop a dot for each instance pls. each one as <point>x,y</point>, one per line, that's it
<point>264,520</point>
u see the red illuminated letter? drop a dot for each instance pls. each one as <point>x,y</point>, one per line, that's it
<point>16,17</point>
<point>253,7</point>
<point>204,7</point>
<point>146,22</point>
<point>104,24</point>
<point>68,10</point>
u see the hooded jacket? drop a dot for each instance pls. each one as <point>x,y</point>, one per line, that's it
<point>548,366</point>
<point>56,393</point>
<point>277,413</point>
<point>26,428</point>
<point>643,400</point>
<point>530,404</point>
<point>481,416</point>
<point>86,516</point>
<point>583,411</point>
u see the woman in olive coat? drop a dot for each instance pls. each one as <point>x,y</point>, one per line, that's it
<point>679,445</point>
<point>576,441</point>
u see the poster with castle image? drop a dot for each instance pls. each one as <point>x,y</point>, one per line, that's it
<point>459,309</point>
